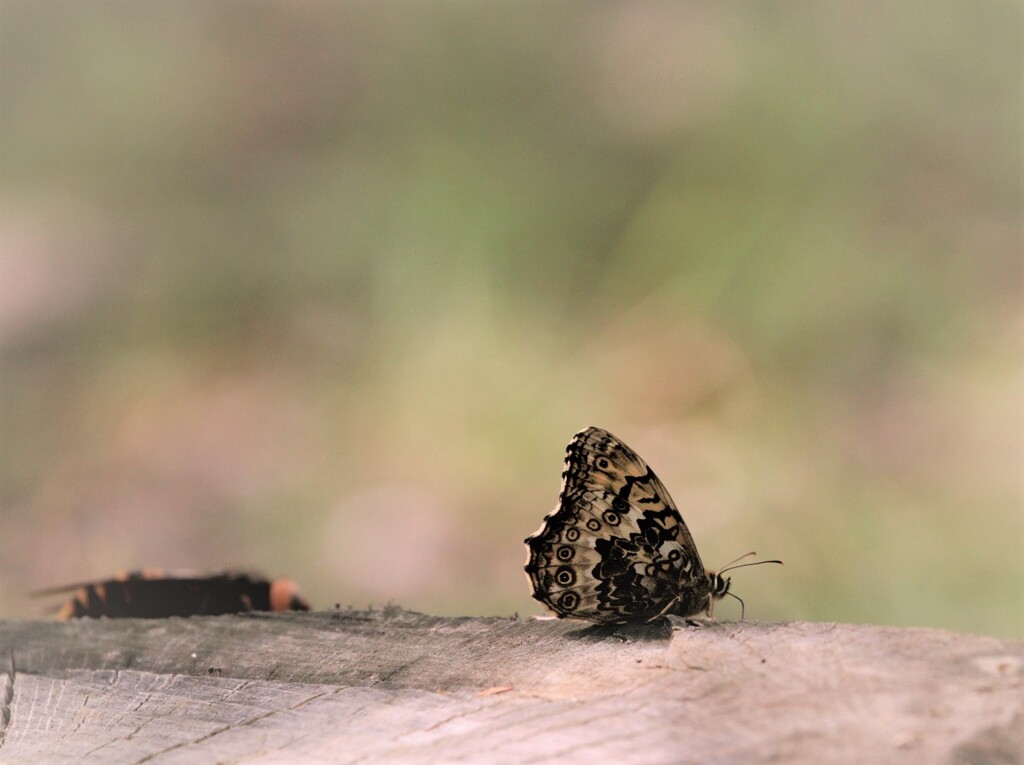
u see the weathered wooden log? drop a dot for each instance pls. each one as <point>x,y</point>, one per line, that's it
<point>394,686</point>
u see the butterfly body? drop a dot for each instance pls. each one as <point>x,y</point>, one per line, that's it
<point>616,549</point>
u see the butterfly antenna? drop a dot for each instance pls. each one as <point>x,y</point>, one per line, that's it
<point>731,566</point>
<point>743,606</point>
<point>737,560</point>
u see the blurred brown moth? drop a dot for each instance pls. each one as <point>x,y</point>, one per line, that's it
<point>616,549</point>
<point>152,594</point>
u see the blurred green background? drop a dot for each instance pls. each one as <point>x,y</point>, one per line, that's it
<point>324,289</point>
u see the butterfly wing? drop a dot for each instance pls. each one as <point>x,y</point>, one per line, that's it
<point>153,595</point>
<point>615,549</point>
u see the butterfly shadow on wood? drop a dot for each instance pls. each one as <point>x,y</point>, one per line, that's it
<point>635,632</point>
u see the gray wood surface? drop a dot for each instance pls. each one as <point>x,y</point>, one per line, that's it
<point>394,686</point>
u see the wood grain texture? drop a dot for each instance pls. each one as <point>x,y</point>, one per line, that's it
<point>393,686</point>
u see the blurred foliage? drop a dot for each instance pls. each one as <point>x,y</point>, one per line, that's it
<point>323,289</point>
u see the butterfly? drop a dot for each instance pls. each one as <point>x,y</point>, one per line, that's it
<point>151,594</point>
<point>616,549</point>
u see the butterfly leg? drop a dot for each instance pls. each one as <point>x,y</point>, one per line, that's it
<point>666,610</point>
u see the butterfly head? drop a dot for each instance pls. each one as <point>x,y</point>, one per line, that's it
<point>718,588</point>
<point>719,585</point>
